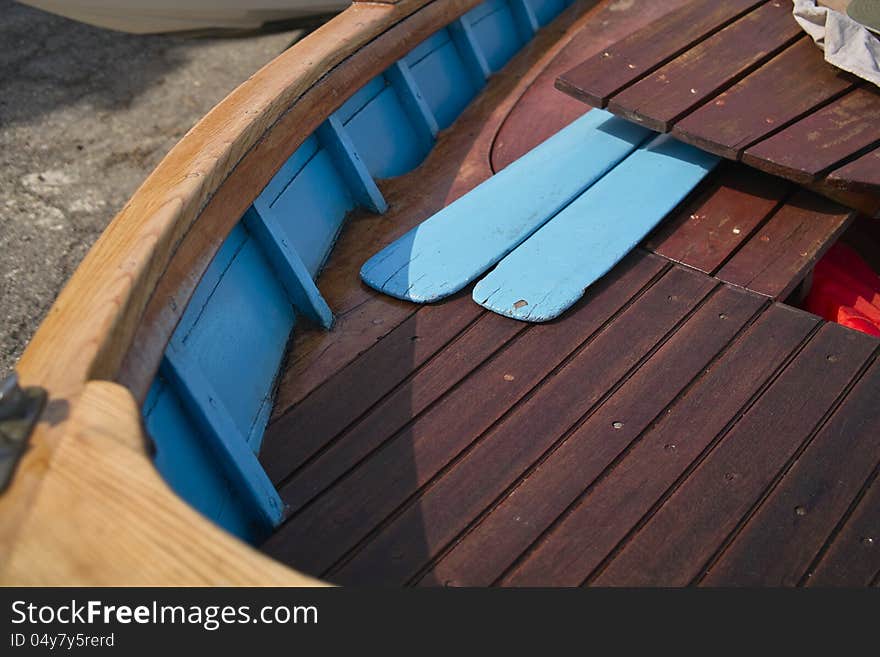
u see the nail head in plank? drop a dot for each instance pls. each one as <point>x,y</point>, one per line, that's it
<point>707,230</point>
<point>659,99</point>
<point>790,85</point>
<point>606,73</point>
<point>783,251</point>
<point>805,150</point>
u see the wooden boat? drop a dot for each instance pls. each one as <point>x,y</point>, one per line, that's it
<point>229,404</point>
<point>143,17</point>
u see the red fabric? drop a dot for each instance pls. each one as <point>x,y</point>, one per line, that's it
<point>846,290</point>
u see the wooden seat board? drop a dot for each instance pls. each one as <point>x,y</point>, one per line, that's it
<point>606,73</point>
<point>725,486</point>
<point>549,272</point>
<point>801,82</point>
<point>700,73</point>
<point>817,143</point>
<point>453,247</point>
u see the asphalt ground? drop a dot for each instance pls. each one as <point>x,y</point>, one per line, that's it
<point>85,115</point>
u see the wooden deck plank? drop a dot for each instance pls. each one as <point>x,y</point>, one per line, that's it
<point>406,545</point>
<point>574,462</point>
<point>549,272</point>
<point>308,426</point>
<point>679,540</point>
<point>606,73</point>
<point>804,151</point>
<point>573,549</point>
<point>789,86</point>
<point>336,521</point>
<point>782,252</point>
<point>700,73</point>
<point>853,558</point>
<point>862,174</point>
<point>707,230</point>
<point>778,544</point>
<point>479,342</point>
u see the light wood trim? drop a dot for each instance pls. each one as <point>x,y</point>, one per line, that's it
<point>86,505</point>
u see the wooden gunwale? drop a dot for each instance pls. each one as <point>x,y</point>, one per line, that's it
<point>115,316</point>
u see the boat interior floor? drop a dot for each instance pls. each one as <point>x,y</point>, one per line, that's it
<point>682,424</point>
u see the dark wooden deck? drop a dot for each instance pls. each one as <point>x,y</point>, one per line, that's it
<point>681,425</point>
<point>742,80</point>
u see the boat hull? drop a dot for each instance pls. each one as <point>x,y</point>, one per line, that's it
<point>140,17</point>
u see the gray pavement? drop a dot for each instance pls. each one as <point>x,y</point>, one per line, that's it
<point>85,115</point>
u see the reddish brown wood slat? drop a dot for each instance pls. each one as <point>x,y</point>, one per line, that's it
<point>708,229</point>
<point>676,88</point>
<point>509,449</point>
<point>568,555</point>
<point>489,334</point>
<point>311,424</point>
<point>853,558</point>
<point>324,531</point>
<point>862,174</point>
<point>781,540</point>
<point>675,544</point>
<point>606,73</point>
<point>782,252</point>
<point>804,151</point>
<point>786,88</point>
<point>486,551</point>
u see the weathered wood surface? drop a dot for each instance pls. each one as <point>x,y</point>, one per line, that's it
<point>550,271</point>
<point>815,145</point>
<point>753,88</point>
<point>606,73</point>
<point>660,99</point>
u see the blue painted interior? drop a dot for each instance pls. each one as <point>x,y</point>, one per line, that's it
<point>219,373</point>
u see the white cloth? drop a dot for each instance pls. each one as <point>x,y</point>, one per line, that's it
<point>848,45</point>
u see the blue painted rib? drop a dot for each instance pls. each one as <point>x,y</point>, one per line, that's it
<point>461,241</point>
<point>546,10</point>
<point>215,422</point>
<point>496,34</point>
<point>549,273</point>
<point>289,267</point>
<point>348,162</point>
<point>525,19</point>
<point>471,56</point>
<point>413,100</point>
